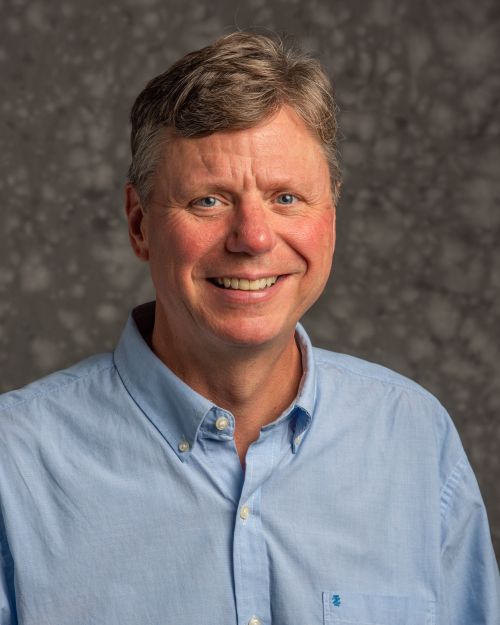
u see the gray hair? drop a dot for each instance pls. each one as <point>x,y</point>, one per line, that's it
<point>233,84</point>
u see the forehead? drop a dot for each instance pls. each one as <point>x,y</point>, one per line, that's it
<point>274,147</point>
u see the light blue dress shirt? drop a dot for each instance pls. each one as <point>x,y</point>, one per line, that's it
<point>123,502</point>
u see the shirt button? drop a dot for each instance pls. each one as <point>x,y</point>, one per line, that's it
<point>183,446</point>
<point>222,423</point>
<point>254,621</point>
<point>244,514</point>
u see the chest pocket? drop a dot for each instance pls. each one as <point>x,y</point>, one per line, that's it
<point>343,608</point>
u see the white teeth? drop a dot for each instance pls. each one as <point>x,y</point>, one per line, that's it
<point>242,284</point>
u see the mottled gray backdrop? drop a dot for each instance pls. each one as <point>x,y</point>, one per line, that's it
<point>416,282</point>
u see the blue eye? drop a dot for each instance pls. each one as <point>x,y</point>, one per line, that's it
<point>286,198</point>
<point>207,202</point>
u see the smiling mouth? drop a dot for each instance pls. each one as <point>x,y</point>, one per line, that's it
<point>242,284</point>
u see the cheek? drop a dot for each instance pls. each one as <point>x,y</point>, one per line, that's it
<point>317,239</point>
<point>180,245</point>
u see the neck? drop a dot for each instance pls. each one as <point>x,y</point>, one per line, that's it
<point>255,384</point>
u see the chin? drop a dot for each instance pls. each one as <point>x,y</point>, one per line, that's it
<point>252,333</point>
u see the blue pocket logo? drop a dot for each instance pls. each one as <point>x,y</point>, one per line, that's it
<point>335,600</point>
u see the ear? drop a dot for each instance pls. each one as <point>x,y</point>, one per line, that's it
<point>137,223</point>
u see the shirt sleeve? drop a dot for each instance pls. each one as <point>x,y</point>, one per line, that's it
<point>470,590</point>
<point>7,609</point>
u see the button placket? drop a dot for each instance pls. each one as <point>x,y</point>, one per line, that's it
<point>251,567</point>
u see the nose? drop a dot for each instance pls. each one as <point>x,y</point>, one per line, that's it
<point>250,230</point>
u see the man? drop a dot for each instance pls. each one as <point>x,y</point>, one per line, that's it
<point>216,469</point>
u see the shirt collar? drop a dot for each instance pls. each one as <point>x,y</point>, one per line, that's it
<point>175,409</point>
<point>306,395</point>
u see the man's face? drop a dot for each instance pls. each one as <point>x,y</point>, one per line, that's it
<point>239,234</point>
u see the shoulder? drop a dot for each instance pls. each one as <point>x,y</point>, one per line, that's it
<point>45,425</point>
<point>59,386</point>
<point>362,372</point>
<point>384,405</point>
